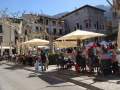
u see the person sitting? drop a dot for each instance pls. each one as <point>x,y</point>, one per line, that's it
<point>78,61</point>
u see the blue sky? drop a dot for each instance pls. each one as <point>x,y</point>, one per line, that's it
<point>50,7</point>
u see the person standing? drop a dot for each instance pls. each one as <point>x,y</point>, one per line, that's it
<point>47,62</point>
<point>37,64</point>
<point>43,61</point>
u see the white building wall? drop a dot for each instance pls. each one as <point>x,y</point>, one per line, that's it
<point>83,14</point>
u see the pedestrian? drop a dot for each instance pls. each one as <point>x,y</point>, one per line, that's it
<point>47,62</point>
<point>43,61</point>
<point>37,65</point>
<point>78,62</point>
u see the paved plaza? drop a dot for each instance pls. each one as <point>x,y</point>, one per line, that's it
<point>17,77</point>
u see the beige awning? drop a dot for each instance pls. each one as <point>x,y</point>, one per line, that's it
<point>6,47</point>
<point>65,44</point>
<point>36,42</point>
<point>80,35</point>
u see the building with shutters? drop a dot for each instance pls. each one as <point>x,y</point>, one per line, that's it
<point>85,18</point>
<point>9,28</point>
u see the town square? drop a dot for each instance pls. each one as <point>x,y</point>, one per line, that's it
<point>60,45</point>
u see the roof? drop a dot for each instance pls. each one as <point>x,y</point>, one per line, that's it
<point>82,8</point>
<point>42,15</point>
<point>59,15</point>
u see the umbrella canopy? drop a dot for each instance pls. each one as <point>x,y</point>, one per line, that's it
<point>6,47</point>
<point>36,42</point>
<point>80,35</point>
<point>65,44</point>
<point>45,47</point>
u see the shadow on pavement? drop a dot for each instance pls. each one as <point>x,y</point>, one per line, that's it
<point>61,86</point>
<point>118,82</point>
<point>63,76</point>
<point>14,67</point>
<point>51,79</point>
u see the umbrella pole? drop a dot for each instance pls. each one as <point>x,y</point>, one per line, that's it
<point>79,43</point>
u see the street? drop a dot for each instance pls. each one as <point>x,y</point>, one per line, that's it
<point>19,77</point>
<point>16,78</point>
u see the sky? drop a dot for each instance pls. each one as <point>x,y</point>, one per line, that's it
<point>50,7</point>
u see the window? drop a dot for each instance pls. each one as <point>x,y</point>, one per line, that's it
<point>87,25</point>
<point>74,28</point>
<point>47,22</point>
<point>114,14</point>
<point>37,29</point>
<point>102,26</point>
<point>60,31</point>
<point>40,21</point>
<point>26,32</point>
<point>80,26</point>
<point>77,24</point>
<point>1,30</point>
<point>40,29</point>
<point>54,31</point>
<point>47,30</point>
<point>46,37</point>
<point>1,39</point>
<point>97,25</point>
<point>54,23</point>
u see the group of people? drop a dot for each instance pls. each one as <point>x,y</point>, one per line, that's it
<point>99,58</point>
<point>96,58</point>
<point>42,62</point>
<point>39,61</point>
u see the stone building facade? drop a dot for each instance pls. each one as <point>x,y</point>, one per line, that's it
<point>9,28</point>
<point>41,26</point>
<point>116,14</point>
<point>85,18</point>
<point>32,26</point>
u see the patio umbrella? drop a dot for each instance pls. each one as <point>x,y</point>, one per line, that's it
<point>65,44</point>
<point>45,47</point>
<point>80,35</point>
<point>36,42</point>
